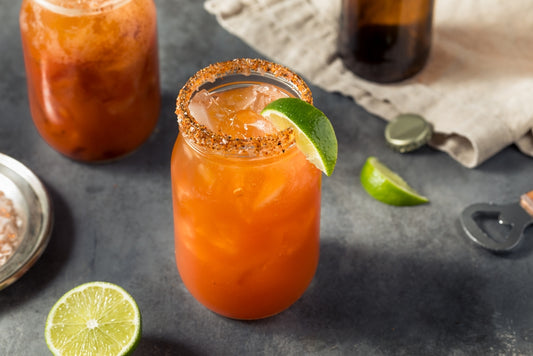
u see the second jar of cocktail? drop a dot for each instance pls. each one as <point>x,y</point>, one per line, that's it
<point>92,74</point>
<point>246,200</point>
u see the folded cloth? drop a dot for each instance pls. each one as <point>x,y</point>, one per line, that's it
<point>476,89</point>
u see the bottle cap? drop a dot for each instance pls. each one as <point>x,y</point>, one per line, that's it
<point>407,132</point>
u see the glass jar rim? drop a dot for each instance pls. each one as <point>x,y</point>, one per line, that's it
<point>80,7</point>
<point>200,136</point>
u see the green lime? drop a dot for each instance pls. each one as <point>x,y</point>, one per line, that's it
<point>387,186</point>
<point>95,318</point>
<point>315,136</point>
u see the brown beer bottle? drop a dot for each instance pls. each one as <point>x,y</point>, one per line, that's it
<point>385,40</point>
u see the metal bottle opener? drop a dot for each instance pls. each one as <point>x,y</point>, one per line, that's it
<point>518,216</point>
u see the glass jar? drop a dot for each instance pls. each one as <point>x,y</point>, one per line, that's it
<point>246,209</point>
<point>92,74</point>
<point>386,40</point>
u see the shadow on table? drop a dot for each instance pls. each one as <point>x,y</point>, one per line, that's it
<point>408,302</point>
<point>156,346</point>
<point>50,263</point>
<point>525,248</point>
<point>154,155</point>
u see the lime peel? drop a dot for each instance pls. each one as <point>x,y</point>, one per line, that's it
<point>314,133</point>
<point>387,186</point>
<point>95,318</point>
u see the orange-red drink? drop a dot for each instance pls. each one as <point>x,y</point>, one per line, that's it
<point>92,74</point>
<point>246,201</point>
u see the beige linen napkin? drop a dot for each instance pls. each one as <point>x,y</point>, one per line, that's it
<point>476,90</point>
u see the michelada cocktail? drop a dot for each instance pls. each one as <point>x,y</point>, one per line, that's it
<point>92,74</point>
<point>246,200</point>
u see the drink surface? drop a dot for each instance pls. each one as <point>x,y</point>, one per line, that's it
<point>92,74</point>
<point>236,112</point>
<point>247,229</point>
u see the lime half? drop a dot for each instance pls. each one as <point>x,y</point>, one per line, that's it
<point>387,186</point>
<point>315,136</point>
<point>96,318</point>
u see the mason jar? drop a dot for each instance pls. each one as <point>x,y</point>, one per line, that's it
<point>92,74</point>
<point>246,202</point>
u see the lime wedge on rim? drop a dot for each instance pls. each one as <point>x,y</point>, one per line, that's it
<point>95,318</point>
<point>387,186</point>
<point>315,136</point>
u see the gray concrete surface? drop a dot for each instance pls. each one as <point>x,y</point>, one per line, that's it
<point>391,281</point>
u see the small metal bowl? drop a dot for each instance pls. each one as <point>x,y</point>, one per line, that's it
<point>33,207</point>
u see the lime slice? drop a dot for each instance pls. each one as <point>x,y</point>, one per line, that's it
<point>387,186</point>
<point>96,318</point>
<point>315,136</point>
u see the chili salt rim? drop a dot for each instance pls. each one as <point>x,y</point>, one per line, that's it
<point>270,144</point>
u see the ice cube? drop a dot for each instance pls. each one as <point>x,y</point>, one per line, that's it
<point>235,112</point>
<point>263,95</point>
<point>262,126</point>
<point>247,123</point>
<point>206,110</point>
